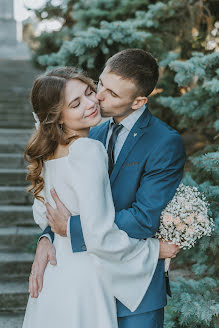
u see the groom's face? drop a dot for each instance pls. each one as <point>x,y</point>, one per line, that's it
<point>116,95</point>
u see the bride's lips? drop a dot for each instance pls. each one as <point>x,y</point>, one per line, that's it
<point>93,114</point>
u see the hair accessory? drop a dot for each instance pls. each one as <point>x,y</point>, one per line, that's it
<point>37,124</point>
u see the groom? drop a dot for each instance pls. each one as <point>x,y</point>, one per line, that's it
<point>146,160</point>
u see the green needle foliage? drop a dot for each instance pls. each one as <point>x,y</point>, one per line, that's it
<point>196,301</point>
<point>198,78</point>
<point>94,30</point>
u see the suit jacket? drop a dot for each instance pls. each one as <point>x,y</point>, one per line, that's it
<point>144,179</point>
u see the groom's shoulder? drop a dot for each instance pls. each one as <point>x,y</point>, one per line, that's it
<point>162,133</point>
<point>162,128</point>
<point>97,130</point>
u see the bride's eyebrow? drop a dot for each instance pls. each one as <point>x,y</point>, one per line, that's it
<point>78,97</point>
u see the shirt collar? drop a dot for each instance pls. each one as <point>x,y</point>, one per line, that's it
<point>130,120</point>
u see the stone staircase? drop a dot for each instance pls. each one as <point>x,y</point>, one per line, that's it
<point>17,228</point>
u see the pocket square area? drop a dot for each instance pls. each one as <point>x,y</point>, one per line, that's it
<point>130,164</point>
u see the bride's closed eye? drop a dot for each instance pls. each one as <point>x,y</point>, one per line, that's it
<point>76,105</point>
<point>89,92</point>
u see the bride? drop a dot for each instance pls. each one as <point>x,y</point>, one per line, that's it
<point>80,290</point>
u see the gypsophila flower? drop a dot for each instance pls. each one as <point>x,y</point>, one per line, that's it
<point>185,219</point>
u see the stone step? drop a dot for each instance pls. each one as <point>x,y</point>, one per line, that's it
<point>14,147</point>
<point>17,77</point>
<point>15,86</point>
<point>11,93</point>
<point>15,140</point>
<point>11,320</point>
<point>13,296</point>
<point>12,124</point>
<point>15,108</point>
<point>16,216</point>
<point>13,177</point>
<point>15,264</point>
<point>15,134</point>
<point>15,66</point>
<point>11,195</point>
<point>15,111</point>
<point>12,161</point>
<point>20,114</point>
<point>18,238</point>
<point>10,96</point>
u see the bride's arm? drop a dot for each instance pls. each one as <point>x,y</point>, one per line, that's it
<point>39,213</point>
<point>128,264</point>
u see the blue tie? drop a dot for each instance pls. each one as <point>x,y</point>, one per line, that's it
<point>116,129</point>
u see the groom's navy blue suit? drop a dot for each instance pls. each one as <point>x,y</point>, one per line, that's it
<point>144,179</point>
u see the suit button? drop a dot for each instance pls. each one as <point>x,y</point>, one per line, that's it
<point>84,248</point>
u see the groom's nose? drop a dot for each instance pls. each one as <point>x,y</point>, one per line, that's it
<point>100,94</point>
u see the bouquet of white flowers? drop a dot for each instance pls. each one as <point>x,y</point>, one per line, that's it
<point>185,219</point>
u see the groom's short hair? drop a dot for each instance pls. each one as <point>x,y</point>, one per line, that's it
<point>136,65</point>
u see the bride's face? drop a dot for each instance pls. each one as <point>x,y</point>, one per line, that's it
<point>81,110</point>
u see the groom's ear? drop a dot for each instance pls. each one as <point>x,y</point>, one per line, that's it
<point>139,102</point>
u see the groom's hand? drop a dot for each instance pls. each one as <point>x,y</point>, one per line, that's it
<point>58,217</point>
<point>45,253</point>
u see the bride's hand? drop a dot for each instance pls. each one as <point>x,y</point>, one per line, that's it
<point>168,250</point>
<point>45,253</point>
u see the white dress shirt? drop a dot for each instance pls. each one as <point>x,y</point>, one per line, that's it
<point>128,124</point>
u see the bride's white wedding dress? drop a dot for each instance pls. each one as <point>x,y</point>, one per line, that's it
<point>80,291</point>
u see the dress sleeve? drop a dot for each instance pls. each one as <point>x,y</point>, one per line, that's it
<point>39,213</point>
<point>128,264</point>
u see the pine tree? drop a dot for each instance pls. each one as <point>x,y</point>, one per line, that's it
<point>196,301</point>
<point>157,20</point>
<point>199,83</point>
<point>101,28</point>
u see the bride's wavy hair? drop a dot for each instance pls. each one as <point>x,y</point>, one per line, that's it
<point>48,99</point>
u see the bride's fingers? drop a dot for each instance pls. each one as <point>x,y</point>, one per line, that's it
<point>40,283</point>
<point>30,287</point>
<point>52,256</point>
<point>35,287</point>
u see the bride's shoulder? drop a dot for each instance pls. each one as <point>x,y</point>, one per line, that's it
<point>86,148</point>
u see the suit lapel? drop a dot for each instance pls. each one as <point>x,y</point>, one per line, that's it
<point>135,134</point>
